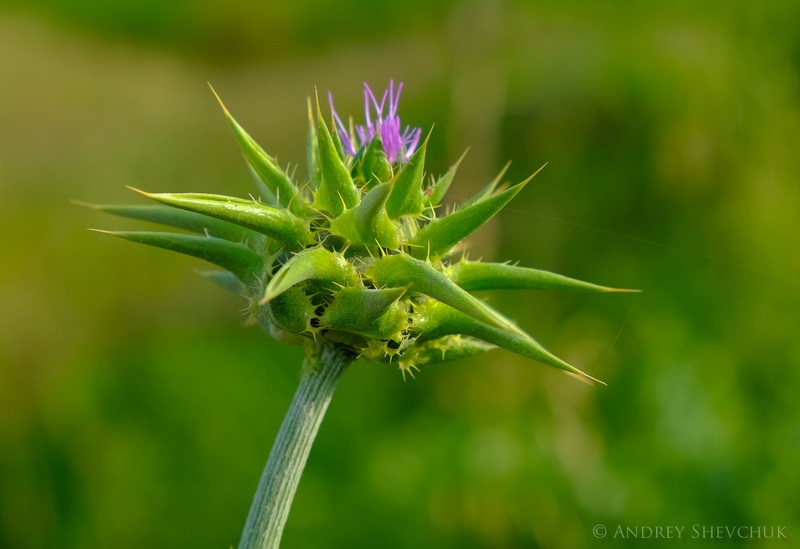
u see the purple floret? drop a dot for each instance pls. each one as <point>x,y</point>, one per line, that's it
<point>398,145</point>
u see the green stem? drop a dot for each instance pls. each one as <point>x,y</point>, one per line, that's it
<point>270,508</point>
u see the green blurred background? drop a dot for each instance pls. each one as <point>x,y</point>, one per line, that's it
<point>137,411</point>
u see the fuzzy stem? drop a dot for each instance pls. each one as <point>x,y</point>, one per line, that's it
<point>270,508</point>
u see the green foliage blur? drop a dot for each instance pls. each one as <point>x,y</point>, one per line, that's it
<point>136,410</point>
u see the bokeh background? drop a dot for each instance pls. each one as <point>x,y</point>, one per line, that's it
<point>136,410</point>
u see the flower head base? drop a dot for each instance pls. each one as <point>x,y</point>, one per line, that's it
<point>398,143</point>
<point>356,258</point>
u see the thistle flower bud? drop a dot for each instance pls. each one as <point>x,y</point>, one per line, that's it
<point>356,256</point>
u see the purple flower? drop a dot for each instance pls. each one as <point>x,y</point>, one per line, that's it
<point>398,144</point>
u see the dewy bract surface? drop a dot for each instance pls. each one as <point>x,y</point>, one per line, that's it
<point>359,255</point>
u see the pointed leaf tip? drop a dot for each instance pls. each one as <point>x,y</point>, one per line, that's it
<point>407,194</point>
<point>83,204</point>
<point>490,189</point>
<point>137,190</point>
<point>583,377</point>
<point>439,319</point>
<point>440,235</point>
<point>312,153</point>
<point>277,180</point>
<point>219,100</point>
<point>534,174</point>
<point>477,275</point>
<point>180,219</point>
<point>236,258</point>
<point>437,191</point>
<point>336,190</point>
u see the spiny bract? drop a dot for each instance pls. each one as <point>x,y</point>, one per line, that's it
<point>359,256</point>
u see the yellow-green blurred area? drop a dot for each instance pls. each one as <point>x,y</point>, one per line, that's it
<point>136,410</point>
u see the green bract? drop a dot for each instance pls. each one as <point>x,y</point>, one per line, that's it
<point>358,256</point>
